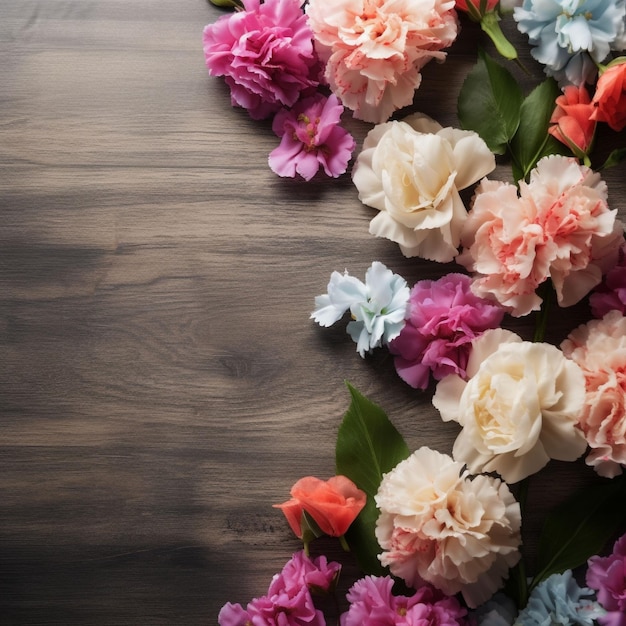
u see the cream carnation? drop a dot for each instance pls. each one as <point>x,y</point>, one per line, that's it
<point>440,526</point>
<point>599,348</point>
<point>519,408</point>
<point>374,49</point>
<point>412,171</point>
<point>560,227</point>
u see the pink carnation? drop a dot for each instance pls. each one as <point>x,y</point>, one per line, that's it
<point>266,54</point>
<point>599,348</point>
<point>607,575</point>
<point>374,49</point>
<point>288,601</point>
<point>373,604</point>
<point>311,137</point>
<point>611,294</point>
<point>559,227</point>
<point>444,317</point>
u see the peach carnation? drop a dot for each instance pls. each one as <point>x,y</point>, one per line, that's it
<point>374,49</point>
<point>599,348</point>
<point>441,526</point>
<point>559,227</point>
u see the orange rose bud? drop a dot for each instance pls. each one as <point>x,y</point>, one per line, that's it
<point>333,504</point>
<point>610,96</point>
<point>572,120</point>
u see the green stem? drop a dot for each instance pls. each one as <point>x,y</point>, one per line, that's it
<point>344,543</point>
<point>490,25</point>
<point>541,322</point>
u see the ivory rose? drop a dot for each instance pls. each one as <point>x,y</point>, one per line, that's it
<point>559,227</point>
<point>439,525</point>
<point>373,50</point>
<point>599,348</point>
<point>518,409</point>
<point>412,171</point>
<point>333,504</point>
<point>609,98</point>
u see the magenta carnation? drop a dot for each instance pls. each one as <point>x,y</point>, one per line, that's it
<point>289,601</point>
<point>373,604</point>
<point>444,317</point>
<point>265,53</point>
<point>607,575</point>
<point>610,295</point>
<point>311,137</point>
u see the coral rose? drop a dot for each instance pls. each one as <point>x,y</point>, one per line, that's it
<point>374,49</point>
<point>559,227</point>
<point>610,96</point>
<point>571,121</point>
<point>412,171</point>
<point>333,504</point>
<point>599,348</point>
<point>519,408</point>
<point>265,53</point>
<point>440,525</point>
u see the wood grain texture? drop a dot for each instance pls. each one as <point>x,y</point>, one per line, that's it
<point>161,384</point>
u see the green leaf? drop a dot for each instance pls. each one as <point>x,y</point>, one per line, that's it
<point>532,141</point>
<point>368,445</point>
<point>580,527</point>
<point>227,4</point>
<point>489,103</point>
<point>614,158</point>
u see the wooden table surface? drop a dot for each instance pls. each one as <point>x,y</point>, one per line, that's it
<point>161,384</point>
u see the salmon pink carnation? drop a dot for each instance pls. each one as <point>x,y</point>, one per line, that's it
<point>311,137</point>
<point>559,227</point>
<point>374,49</point>
<point>572,120</point>
<point>333,504</point>
<point>440,525</point>
<point>265,52</point>
<point>609,98</point>
<point>373,604</point>
<point>444,316</point>
<point>599,348</point>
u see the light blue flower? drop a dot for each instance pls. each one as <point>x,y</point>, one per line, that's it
<point>571,36</point>
<point>378,306</point>
<point>559,600</point>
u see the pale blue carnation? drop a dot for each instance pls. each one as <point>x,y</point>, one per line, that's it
<point>571,36</point>
<point>559,600</point>
<point>378,306</point>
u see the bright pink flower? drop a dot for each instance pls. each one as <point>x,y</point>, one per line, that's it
<point>302,571</point>
<point>572,123</point>
<point>559,227</point>
<point>374,49</point>
<point>611,293</point>
<point>289,600</point>
<point>266,54</point>
<point>607,575</point>
<point>311,137</point>
<point>444,317</point>
<point>373,604</point>
<point>599,348</point>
